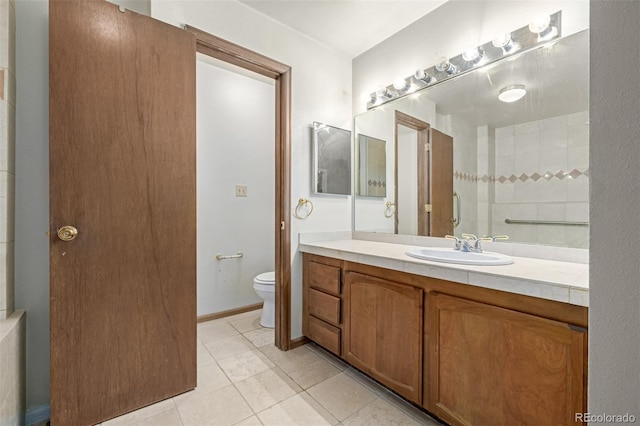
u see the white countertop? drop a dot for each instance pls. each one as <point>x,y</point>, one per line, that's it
<point>547,279</point>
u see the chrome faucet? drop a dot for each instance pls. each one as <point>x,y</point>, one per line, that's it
<point>471,243</point>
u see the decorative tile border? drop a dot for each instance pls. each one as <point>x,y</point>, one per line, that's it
<point>560,175</point>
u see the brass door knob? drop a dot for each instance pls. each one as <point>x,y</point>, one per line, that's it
<point>67,233</point>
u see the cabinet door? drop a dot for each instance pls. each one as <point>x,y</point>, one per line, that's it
<point>493,366</point>
<point>383,332</point>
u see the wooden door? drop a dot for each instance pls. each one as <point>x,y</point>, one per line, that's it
<point>494,366</point>
<point>122,171</point>
<point>383,332</point>
<point>441,192</point>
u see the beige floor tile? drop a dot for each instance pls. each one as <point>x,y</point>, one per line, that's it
<point>367,382</point>
<point>266,389</point>
<point>281,357</point>
<point>204,357</point>
<point>261,337</point>
<point>222,407</point>
<point>225,348</point>
<point>331,359</point>
<point>416,414</point>
<point>140,414</point>
<point>249,314</point>
<point>164,418</point>
<point>210,378</point>
<point>247,323</point>
<point>215,330</point>
<point>300,409</point>
<point>309,369</point>
<point>380,412</point>
<point>341,395</point>
<point>251,421</point>
<point>244,365</point>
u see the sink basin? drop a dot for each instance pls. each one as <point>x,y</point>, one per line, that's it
<point>449,255</point>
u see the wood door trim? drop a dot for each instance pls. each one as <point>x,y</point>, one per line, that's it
<point>214,46</point>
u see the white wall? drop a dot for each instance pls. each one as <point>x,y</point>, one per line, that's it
<point>235,134</point>
<point>446,32</point>
<point>32,191</point>
<point>614,294</point>
<point>321,91</point>
<point>407,181</point>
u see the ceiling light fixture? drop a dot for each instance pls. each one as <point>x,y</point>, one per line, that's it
<point>541,26</point>
<point>512,93</point>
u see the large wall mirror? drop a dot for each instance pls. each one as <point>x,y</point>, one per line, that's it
<point>519,168</point>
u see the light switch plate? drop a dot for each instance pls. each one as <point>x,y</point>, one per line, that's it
<point>241,190</point>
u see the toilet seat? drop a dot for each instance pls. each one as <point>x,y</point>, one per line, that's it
<point>266,278</point>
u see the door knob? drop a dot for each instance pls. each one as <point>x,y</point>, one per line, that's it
<point>67,233</point>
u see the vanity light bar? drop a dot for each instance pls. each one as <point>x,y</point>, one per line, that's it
<point>520,40</point>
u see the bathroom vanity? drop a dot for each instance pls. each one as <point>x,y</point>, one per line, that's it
<point>472,345</point>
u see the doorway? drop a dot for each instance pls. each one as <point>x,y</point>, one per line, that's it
<point>423,178</point>
<point>215,47</point>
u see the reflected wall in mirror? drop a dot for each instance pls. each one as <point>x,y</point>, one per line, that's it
<point>331,160</point>
<point>371,172</point>
<point>524,162</point>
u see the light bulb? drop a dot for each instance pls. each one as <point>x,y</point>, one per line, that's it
<point>422,75</point>
<point>400,84</point>
<point>539,23</point>
<point>445,66</point>
<point>504,42</point>
<point>383,93</point>
<point>472,54</point>
<point>541,26</point>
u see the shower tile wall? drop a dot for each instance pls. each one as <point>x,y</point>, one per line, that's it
<point>542,173</point>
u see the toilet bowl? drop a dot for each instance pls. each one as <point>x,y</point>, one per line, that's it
<point>265,285</point>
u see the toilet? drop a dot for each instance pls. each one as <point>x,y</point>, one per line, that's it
<point>265,285</point>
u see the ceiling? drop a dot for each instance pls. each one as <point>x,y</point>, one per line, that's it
<point>332,22</point>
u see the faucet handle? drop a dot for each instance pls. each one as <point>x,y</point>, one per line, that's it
<point>470,237</point>
<point>497,237</point>
<point>458,241</point>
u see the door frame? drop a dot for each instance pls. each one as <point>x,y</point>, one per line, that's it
<point>424,168</point>
<point>221,49</point>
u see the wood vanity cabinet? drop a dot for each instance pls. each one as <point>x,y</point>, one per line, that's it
<point>383,332</point>
<point>490,365</point>
<point>469,355</point>
<point>322,302</point>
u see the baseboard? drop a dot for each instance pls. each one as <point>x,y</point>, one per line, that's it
<point>230,312</point>
<point>37,414</point>
<point>297,342</point>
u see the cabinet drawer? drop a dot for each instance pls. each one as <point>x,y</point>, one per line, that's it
<point>324,334</point>
<point>324,306</point>
<point>324,277</point>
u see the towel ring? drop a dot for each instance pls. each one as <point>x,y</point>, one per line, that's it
<point>391,209</point>
<point>302,202</point>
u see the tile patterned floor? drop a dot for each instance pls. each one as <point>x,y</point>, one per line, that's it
<point>244,380</point>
